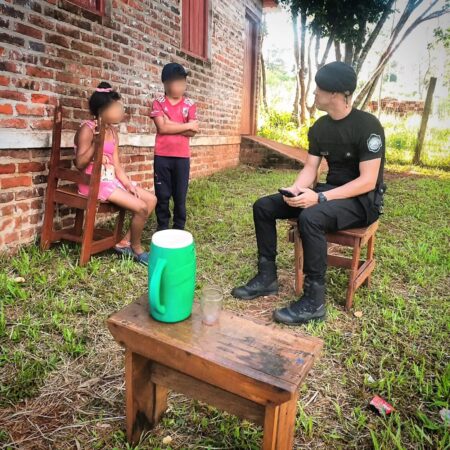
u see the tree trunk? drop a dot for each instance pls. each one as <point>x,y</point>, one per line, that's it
<point>302,70</point>
<point>367,90</point>
<point>326,52</point>
<point>423,124</point>
<point>348,55</point>
<point>337,49</point>
<point>297,64</point>
<point>360,57</point>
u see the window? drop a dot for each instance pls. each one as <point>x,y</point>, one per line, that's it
<point>194,20</point>
<point>95,6</point>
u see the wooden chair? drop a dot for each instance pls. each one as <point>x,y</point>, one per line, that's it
<point>356,238</point>
<point>93,240</point>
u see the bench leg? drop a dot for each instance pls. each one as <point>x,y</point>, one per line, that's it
<point>279,425</point>
<point>145,401</point>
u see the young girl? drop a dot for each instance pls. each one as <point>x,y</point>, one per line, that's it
<point>115,186</point>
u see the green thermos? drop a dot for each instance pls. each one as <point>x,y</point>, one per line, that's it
<point>171,275</point>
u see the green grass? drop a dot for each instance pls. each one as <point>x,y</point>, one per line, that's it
<point>57,355</point>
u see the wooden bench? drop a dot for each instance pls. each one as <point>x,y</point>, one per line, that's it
<point>251,370</point>
<point>356,238</point>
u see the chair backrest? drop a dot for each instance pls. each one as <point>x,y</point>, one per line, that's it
<point>58,171</point>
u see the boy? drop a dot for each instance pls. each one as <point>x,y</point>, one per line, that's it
<point>175,117</point>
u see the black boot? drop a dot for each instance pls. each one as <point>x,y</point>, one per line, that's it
<point>311,305</point>
<point>264,283</point>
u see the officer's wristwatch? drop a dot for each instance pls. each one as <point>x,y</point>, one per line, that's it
<point>322,197</point>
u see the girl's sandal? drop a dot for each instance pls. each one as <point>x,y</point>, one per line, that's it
<point>123,248</point>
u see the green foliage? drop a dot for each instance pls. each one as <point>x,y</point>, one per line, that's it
<point>401,138</point>
<point>279,126</point>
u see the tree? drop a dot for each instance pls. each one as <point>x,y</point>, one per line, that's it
<point>343,22</point>
<point>432,11</point>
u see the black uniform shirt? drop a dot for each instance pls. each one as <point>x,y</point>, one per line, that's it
<point>345,143</point>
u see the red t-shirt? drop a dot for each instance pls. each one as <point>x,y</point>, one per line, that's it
<point>182,112</point>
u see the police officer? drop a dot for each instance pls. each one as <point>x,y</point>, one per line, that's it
<point>352,142</point>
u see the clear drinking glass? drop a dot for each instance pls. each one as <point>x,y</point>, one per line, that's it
<point>211,304</point>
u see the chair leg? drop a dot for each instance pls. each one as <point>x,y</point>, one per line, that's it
<point>298,255</point>
<point>47,226</point>
<point>79,219</point>
<point>119,226</point>
<point>370,252</point>
<point>353,274</point>
<point>88,236</point>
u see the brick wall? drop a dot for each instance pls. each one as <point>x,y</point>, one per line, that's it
<point>395,106</point>
<point>53,50</point>
<point>23,180</point>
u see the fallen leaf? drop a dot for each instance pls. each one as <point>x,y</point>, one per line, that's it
<point>445,415</point>
<point>167,440</point>
<point>358,314</point>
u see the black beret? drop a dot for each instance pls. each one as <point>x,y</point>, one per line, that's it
<point>336,77</point>
<point>173,71</point>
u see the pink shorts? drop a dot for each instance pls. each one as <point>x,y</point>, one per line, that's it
<point>105,190</point>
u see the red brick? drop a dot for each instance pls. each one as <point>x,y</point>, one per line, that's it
<point>39,98</point>
<point>7,210</point>
<point>45,124</point>
<point>28,31</point>
<point>22,180</point>
<point>7,168</point>
<point>4,81</point>
<point>41,22</point>
<point>6,222</point>
<point>11,237</point>
<point>27,235</point>
<point>67,31</point>
<point>13,123</point>
<point>6,197</point>
<point>13,95</point>
<point>57,39</point>
<point>33,71</point>
<point>6,109</point>
<point>26,110</point>
<point>23,207</point>
<point>31,167</point>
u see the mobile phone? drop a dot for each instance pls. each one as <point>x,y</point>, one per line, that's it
<point>286,193</point>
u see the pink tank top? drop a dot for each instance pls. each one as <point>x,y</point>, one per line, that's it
<point>108,173</point>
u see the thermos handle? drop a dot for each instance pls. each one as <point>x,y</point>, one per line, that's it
<point>155,286</point>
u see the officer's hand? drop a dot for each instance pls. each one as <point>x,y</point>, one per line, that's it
<point>306,199</point>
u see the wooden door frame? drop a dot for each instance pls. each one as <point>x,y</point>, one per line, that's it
<point>250,15</point>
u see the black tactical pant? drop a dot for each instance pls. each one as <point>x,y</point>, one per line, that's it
<point>314,222</point>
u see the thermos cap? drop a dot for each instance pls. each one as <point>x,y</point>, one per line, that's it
<point>172,239</point>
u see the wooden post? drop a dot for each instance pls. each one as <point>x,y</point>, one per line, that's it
<point>423,123</point>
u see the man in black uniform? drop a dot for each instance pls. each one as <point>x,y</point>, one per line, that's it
<point>352,142</point>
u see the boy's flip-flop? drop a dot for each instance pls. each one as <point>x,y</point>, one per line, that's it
<point>142,258</point>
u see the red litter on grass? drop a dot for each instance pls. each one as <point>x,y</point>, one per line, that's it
<point>381,405</point>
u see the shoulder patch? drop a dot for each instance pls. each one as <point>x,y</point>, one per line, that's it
<point>374,143</point>
<point>161,99</point>
<point>188,101</point>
